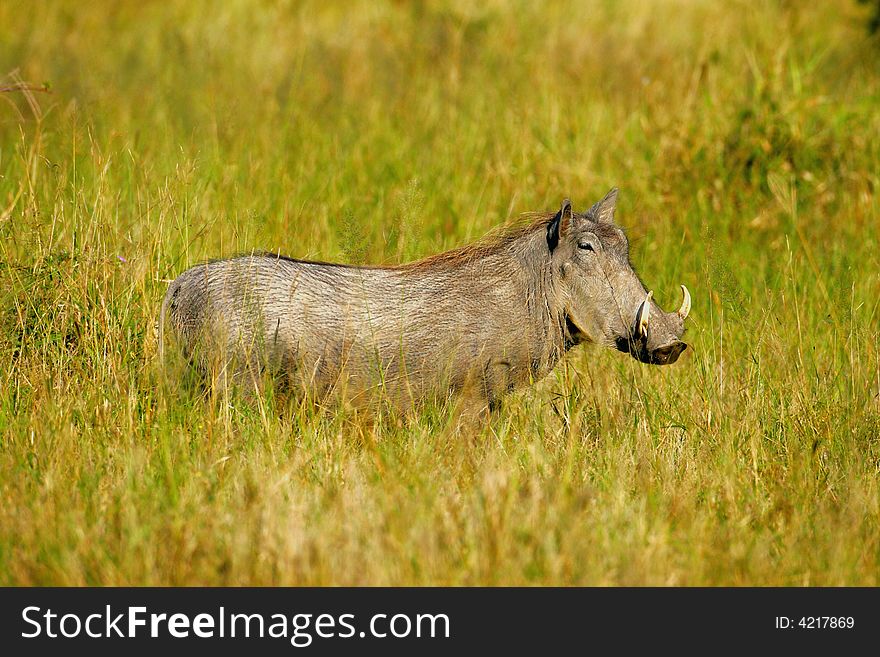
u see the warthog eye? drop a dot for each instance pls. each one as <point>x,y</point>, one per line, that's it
<point>585,246</point>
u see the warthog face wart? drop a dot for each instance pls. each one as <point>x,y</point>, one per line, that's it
<point>604,300</point>
<point>487,318</point>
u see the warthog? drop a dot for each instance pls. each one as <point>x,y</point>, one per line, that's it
<point>488,317</point>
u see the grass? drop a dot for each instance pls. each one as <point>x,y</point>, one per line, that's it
<point>745,139</point>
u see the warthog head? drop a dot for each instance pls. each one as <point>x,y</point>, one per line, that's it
<point>604,300</point>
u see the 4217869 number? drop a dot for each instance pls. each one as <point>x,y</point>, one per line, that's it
<point>815,622</point>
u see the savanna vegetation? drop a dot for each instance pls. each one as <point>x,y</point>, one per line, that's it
<point>138,138</point>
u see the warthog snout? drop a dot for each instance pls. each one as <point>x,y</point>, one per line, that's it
<point>654,334</point>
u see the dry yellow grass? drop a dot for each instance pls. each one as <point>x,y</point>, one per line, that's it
<point>745,138</point>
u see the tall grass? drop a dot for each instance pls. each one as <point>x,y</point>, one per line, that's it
<point>745,137</point>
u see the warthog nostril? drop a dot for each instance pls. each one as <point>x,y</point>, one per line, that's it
<point>667,355</point>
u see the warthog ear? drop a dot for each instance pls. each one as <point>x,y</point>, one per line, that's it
<point>559,224</point>
<point>603,211</point>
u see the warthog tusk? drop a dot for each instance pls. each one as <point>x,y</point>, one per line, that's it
<point>685,304</point>
<point>644,314</point>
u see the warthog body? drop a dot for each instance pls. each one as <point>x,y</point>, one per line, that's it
<point>488,317</point>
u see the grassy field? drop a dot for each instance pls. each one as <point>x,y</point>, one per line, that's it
<point>745,138</point>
